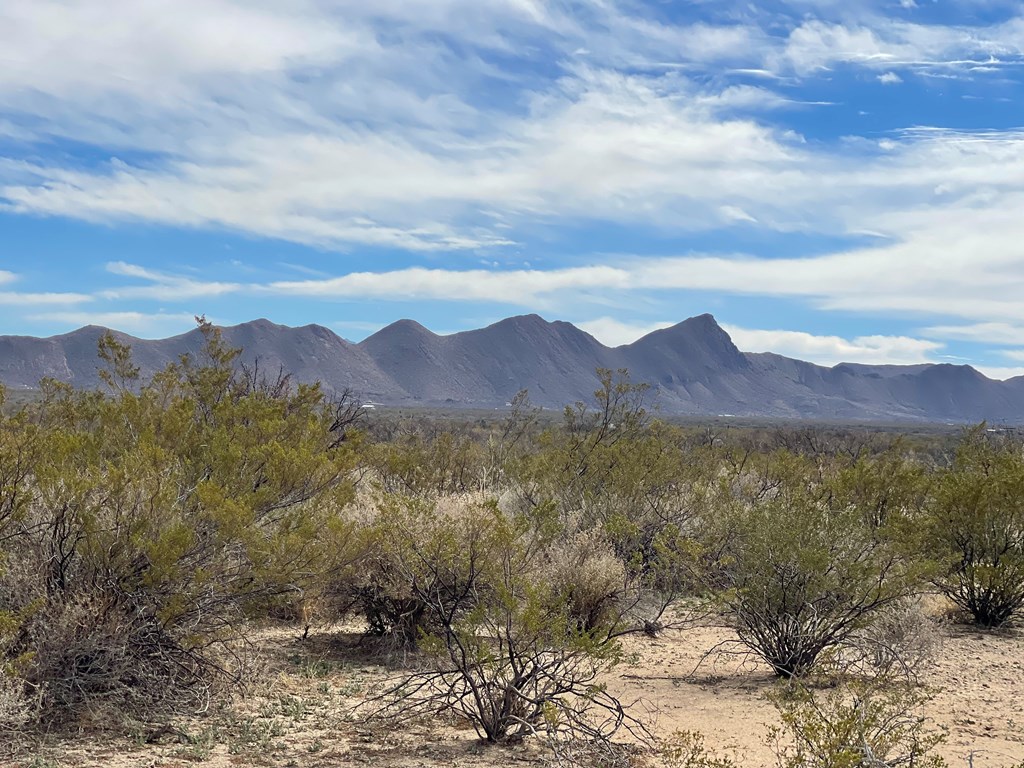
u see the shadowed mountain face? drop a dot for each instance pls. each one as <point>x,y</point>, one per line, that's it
<point>693,367</point>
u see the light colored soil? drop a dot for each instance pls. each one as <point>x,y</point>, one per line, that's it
<point>977,679</point>
<point>298,718</point>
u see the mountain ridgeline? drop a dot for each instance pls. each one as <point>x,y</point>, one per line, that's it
<point>693,368</point>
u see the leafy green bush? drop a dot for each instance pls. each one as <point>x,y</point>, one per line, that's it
<point>801,568</point>
<point>143,527</point>
<point>502,645</point>
<point>977,529</point>
<point>853,727</point>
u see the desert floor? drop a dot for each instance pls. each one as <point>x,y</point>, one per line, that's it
<point>298,715</point>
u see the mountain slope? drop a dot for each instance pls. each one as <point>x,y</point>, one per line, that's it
<point>693,367</point>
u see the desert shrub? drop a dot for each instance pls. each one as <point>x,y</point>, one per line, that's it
<point>900,641</point>
<point>611,472</point>
<point>394,574</point>
<point>17,708</point>
<point>686,749</point>
<point>586,571</point>
<point>429,465</point>
<point>853,727</point>
<point>889,487</point>
<point>393,577</point>
<point>503,649</point>
<point>92,657</point>
<point>977,529</point>
<point>802,569</point>
<point>578,460</point>
<point>158,519</point>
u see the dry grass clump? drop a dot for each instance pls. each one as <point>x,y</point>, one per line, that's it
<point>17,708</point>
<point>902,641</point>
<point>586,571</point>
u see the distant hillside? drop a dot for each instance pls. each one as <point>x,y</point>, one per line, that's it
<point>694,368</point>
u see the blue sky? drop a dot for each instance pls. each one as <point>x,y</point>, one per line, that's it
<point>834,180</point>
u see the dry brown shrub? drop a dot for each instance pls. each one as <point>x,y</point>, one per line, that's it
<point>16,707</point>
<point>902,640</point>
<point>587,571</point>
<point>95,662</point>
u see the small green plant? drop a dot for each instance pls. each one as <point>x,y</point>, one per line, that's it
<point>853,726</point>
<point>255,735</point>
<point>685,749</point>
<point>292,707</point>
<point>205,739</point>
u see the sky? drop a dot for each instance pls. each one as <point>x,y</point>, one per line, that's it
<point>834,180</point>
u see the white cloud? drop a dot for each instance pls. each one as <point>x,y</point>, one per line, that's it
<point>888,44</point>
<point>987,333</point>
<point>823,350</point>
<point>344,123</point>
<point>890,78</point>
<point>598,144</point>
<point>150,325</point>
<point>635,149</point>
<point>7,277</point>
<point>503,286</point>
<point>832,350</point>
<point>1000,373</point>
<point>956,260</point>
<point>615,333</point>
<point>13,299</point>
<point>130,46</point>
<point>163,286</point>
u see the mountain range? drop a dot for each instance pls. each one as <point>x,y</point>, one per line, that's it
<point>694,369</point>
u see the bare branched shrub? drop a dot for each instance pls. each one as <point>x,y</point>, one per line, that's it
<point>573,752</point>
<point>17,707</point>
<point>91,657</point>
<point>503,650</point>
<point>901,641</point>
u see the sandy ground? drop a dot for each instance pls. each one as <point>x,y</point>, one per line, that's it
<point>299,720</point>
<point>977,680</point>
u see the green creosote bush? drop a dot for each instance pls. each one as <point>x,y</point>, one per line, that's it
<point>976,529</point>
<point>502,646</point>
<point>143,527</point>
<point>853,726</point>
<point>802,568</point>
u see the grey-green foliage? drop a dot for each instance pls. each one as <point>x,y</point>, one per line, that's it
<point>803,565</point>
<point>144,525</point>
<point>977,529</point>
<point>501,644</point>
<point>854,726</point>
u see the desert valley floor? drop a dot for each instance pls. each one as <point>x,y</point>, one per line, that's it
<point>299,719</point>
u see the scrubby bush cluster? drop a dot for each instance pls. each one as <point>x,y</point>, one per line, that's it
<point>144,530</point>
